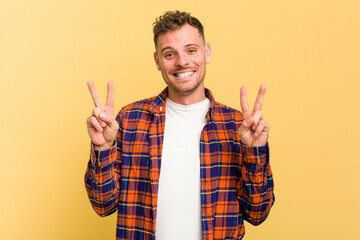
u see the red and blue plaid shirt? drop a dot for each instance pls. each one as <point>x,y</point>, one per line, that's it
<point>236,180</point>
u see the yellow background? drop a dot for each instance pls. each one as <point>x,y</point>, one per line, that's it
<point>307,52</point>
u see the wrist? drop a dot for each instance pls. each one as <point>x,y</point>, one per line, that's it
<point>254,145</point>
<point>104,146</point>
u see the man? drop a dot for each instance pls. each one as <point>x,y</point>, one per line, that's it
<point>180,165</point>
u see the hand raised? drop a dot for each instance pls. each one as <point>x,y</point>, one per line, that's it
<point>254,131</point>
<point>102,126</point>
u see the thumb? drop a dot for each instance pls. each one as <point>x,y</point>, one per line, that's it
<point>109,120</point>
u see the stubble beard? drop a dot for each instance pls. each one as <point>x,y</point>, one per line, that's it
<point>184,91</point>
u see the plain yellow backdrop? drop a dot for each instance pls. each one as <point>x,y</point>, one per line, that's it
<point>307,53</point>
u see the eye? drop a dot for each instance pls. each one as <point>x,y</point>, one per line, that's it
<point>169,55</point>
<point>192,51</point>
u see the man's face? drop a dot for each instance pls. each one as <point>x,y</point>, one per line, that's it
<point>181,56</point>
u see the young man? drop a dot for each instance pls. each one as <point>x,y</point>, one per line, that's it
<point>180,165</point>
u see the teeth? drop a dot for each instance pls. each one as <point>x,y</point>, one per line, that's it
<point>185,74</point>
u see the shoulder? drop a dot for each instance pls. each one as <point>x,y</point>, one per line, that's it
<point>223,112</point>
<point>135,109</point>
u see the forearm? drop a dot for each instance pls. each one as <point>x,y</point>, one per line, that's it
<point>255,187</point>
<point>101,180</point>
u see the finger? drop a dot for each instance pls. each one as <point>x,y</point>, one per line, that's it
<point>98,114</point>
<point>263,127</point>
<point>248,122</point>
<point>259,98</point>
<point>110,95</point>
<point>243,101</point>
<point>257,118</point>
<point>95,123</point>
<point>113,125</point>
<point>259,128</point>
<point>94,94</point>
<point>109,120</point>
<point>267,127</point>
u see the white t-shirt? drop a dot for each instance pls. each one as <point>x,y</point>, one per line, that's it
<point>179,202</point>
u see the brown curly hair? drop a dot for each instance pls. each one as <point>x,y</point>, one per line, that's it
<point>173,20</point>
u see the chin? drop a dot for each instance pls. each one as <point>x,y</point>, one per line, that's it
<point>185,91</point>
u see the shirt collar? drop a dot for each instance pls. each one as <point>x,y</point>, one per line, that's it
<point>158,104</point>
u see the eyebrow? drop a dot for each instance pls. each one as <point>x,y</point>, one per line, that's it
<point>187,45</point>
<point>165,48</point>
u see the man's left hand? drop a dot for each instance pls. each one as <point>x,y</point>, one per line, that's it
<point>254,131</point>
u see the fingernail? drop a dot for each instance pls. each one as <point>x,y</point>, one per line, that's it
<point>102,115</point>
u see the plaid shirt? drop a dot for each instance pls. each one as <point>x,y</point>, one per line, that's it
<point>236,180</point>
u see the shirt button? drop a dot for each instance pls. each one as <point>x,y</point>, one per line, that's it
<point>160,108</point>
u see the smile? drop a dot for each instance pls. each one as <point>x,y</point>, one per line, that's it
<point>183,74</point>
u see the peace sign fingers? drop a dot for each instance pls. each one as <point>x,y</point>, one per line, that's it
<point>96,98</point>
<point>259,98</point>
<point>94,94</point>
<point>110,95</point>
<point>254,130</point>
<point>243,100</point>
<point>102,126</point>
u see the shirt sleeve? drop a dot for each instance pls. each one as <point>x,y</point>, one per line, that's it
<point>255,189</point>
<point>102,178</point>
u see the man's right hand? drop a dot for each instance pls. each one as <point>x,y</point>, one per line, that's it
<point>102,126</point>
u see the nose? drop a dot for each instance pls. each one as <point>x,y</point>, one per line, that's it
<point>182,60</point>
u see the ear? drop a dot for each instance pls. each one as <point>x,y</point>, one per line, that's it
<point>156,58</point>
<point>207,53</point>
